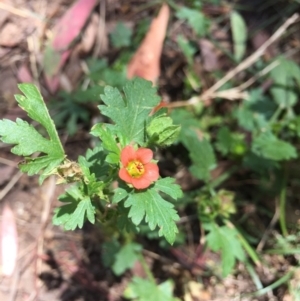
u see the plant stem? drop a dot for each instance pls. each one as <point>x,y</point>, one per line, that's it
<point>146,269</point>
<point>277,283</point>
<point>254,276</point>
<point>275,116</point>
<point>223,177</point>
<point>282,203</point>
<point>251,252</point>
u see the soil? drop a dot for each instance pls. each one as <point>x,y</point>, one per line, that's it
<point>53,264</point>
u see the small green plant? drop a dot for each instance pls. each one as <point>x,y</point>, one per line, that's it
<point>117,184</point>
<point>123,156</point>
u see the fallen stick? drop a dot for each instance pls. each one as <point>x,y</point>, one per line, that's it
<point>246,63</point>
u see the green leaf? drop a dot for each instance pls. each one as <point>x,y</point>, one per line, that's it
<point>284,97</point>
<point>255,112</point>
<point>144,290</point>
<point>126,257</point>
<point>224,140</point>
<point>129,114</point>
<point>95,160</point>
<point>25,136</point>
<point>228,142</point>
<point>119,195</point>
<point>295,125</point>
<point>167,186</point>
<point>91,94</point>
<point>186,120</point>
<point>187,48</point>
<point>200,149</point>
<point>109,250</point>
<point>156,210</point>
<point>201,154</point>
<point>225,239</point>
<point>121,36</point>
<point>28,140</point>
<point>78,208</point>
<point>51,60</point>
<point>93,186</point>
<point>195,19</point>
<point>103,74</point>
<point>108,141</point>
<point>239,35</point>
<point>283,77</point>
<point>259,164</point>
<point>123,222</point>
<point>68,108</point>
<point>270,147</point>
<point>162,131</point>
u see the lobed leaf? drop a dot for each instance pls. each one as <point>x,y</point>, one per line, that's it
<point>255,112</point>
<point>162,131</point>
<point>78,208</point>
<point>121,36</point>
<point>201,154</point>
<point>156,210</point>
<point>119,195</point>
<point>270,147</point>
<point>283,77</point>
<point>28,140</point>
<point>129,114</point>
<point>167,186</point>
<point>225,239</point>
<point>195,19</point>
<point>144,290</point>
<point>126,257</point>
<point>200,149</point>
<point>108,141</point>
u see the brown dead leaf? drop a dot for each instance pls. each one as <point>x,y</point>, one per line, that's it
<point>195,291</point>
<point>70,25</point>
<point>259,38</point>
<point>90,34</point>
<point>65,32</point>
<point>10,35</point>
<point>102,36</point>
<point>9,241</point>
<point>8,87</point>
<point>146,61</point>
<point>4,51</point>
<point>3,16</point>
<point>24,74</point>
<point>209,55</point>
<point>5,173</point>
<point>191,258</point>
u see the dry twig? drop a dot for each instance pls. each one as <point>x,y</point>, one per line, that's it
<point>19,12</point>
<point>47,197</point>
<point>249,61</point>
<point>10,185</point>
<point>8,162</point>
<point>266,234</point>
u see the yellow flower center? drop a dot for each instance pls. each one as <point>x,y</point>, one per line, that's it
<point>135,168</point>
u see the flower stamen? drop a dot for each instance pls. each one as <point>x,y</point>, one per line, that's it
<point>135,168</point>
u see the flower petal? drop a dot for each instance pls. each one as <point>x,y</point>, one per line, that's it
<point>144,155</point>
<point>124,175</point>
<point>127,154</point>
<point>140,183</point>
<point>151,172</point>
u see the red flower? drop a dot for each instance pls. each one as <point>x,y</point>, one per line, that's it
<point>137,169</point>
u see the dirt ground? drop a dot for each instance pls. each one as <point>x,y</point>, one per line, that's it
<point>53,264</point>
